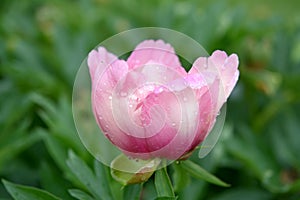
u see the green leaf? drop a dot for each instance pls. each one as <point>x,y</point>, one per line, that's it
<point>20,192</point>
<point>102,175</point>
<point>166,198</point>
<point>131,171</point>
<point>133,192</point>
<point>79,194</point>
<point>180,177</point>
<point>244,193</point>
<point>14,147</point>
<point>163,184</point>
<point>52,181</point>
<point>86,176</point>
<point>200,173</point>
<point>56,150</point>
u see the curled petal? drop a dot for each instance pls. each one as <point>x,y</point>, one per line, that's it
<point>157,52</point>
<point>98,60</point>
<point>223,66</point>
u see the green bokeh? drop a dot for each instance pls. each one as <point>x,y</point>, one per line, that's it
<point>42,44</point>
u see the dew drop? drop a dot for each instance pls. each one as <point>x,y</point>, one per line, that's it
<point>110,97</point>
<point>123,94</point>
<point>130,105</point>
<point>160,89</point>
<point>173,124</point>
<point>106,133</point>
<point>134,97</point>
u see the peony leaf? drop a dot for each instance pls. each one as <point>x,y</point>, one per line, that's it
<point>166,198</point>
<point>79,194</point>
<point>163,184</point>
<point>131,171</point>
<point>200,173</point>
<point>180,177</point>
<point>20,192</point>
<point>87,177</point>
<point>133,192</point>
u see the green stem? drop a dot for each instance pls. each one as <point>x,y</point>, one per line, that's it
<point>163,183</point>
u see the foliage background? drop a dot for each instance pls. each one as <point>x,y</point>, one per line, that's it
<point>42,44</point>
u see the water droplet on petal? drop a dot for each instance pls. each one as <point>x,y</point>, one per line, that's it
<point>110,97</point>
<point>123,94</point>
<point>130,105</point>
<point>160,89</point>
<point>133,97</point>
<point>106,133</point>
<point>173,124</point>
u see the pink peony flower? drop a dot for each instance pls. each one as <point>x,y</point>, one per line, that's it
<point>149,106</point>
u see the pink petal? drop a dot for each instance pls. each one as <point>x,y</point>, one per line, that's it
<point>157,52</point>
<point>208,109</point>
<point>224,67</point>
<point>219,57</point>
<point>180,123</point>
<point>105,69</point>
<point>98,60</point>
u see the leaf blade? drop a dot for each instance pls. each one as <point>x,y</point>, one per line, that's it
<point>87,177</point>
<point>20,192</point>
<point>163,184</point>
<point>200,173</point>
<point>79,194</point>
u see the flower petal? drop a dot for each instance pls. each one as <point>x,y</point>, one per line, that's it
<point>208,109</point>
<point>98,60</point>
<point>223,66</point>
<point>155,52</point>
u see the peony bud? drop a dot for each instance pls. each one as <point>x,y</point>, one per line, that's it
<point>150,107</point>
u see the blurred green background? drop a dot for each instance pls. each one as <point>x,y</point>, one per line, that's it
<point>42,44</point>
